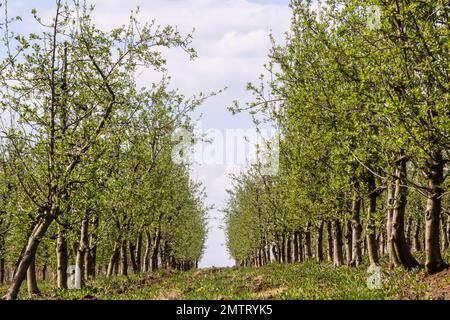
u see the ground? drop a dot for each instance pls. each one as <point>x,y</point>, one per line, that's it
<point>297,281</point>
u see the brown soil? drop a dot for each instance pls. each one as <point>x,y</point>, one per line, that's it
<point>439,285</point>
<point>435,287</point>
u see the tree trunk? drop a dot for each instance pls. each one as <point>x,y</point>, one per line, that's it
<point>283,248</point>
<point>389,221</point>
<point>29,253</point>
<point>330,242</point>
<point>372,249</point>
<point>2,270</point>
<point>138,252</point>
<point>146,264</point>
<point>289,248</point>
<point>123,259</point>
<point>260,257</point>
<point>83,246</point>
<point>348,242</point>
<point>2,260</point>
<point>264,252</point>
<point>416,239</point>
<point>382,242</point>
<point>338,258</point>
<point>165,255</point>
<point>409,232</point>
<point>133,258</point>
<point>445,238</point>
<point>301,256</point>
<point>433,259</point>
<point>275,252</point>
<point>113,261</point>
<point>31,278</point>
<point>155,251</point>
<point>319,242</point>
<point>356,230</point>
<point>61,260</point>
<point>91,256</point>
<point>447,229</point>
<point>307,242</point>
<point>400,251</point>
<point>296,251</point>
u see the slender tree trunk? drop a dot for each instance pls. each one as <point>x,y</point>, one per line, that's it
<point>133,258</point>
<point>371,236</point>
<point>338,258</point>
<point>261,256</point>
<point>148,243</point>
<point>29,253</point>
<point>2,270</point>
<point>330,242</point>
<point>83,246</point>
<point>409,232</point>
<point>296,251</point>
<point>91,256</point>
<point>265,253</point>
<point>138,252</point>
<point>416,239</point>
<point>371,230</point>
<point>445,238</point>
<point>301,256</point>
<point>356,230</point>
<point>31,278</point>
<point>283,248</point>
<point>275,252</point>
<point>319,242</point>
<point>389,223</point>
<point>90,262</point>
<point>289,248</point>
<point>2,260</point>
<point>307,242</point>
<point>348,242</point>
<point>400,251</point>
<point>166,256</point>
<point>116,265</point>
<point>123,258</point>
<point>447,229</point>
<point>61,260</point>
<point>382,243</point>
<point>113,261</point>
<point>433,259</point>
<point>155,252</point>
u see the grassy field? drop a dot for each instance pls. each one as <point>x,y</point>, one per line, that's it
<point>305,281</point>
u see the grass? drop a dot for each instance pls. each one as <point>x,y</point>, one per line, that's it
<point>297,281</point>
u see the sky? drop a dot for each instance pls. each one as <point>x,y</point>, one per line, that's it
<point>232,41</point>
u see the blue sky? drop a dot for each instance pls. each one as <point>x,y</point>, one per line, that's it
<point>231,37</point>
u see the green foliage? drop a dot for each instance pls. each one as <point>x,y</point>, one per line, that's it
<point>350,99</point>
<point>88,151</point>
